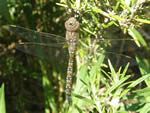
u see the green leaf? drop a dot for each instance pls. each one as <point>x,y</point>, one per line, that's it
<point>63,5</point>
<point>143,20</point>
<point>143,69</point>
<point>126,4</point>
<point>145,109</point>
<point>4,11</point>
<point>117,17</point>
<point>87,30</point>
<point>81,76</point>
<point>98,10</point>
<point>109,24</point>
<point>133,84</point>
<point>115,85</point>
<point>89,101</point>
<point>137,36</point>
<point>48,90</point>
<point>113,73</point>
<point>143,92</point>
<point>2,100</point>
<point>99,62</point>
<point>125,70</point>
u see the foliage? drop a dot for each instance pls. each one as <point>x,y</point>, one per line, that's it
<point>36,85</point>
<point>2,100</point>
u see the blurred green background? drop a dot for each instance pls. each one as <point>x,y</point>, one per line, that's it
<point>34,85</point>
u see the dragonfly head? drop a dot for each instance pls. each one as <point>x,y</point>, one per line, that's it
<point>72,24</point>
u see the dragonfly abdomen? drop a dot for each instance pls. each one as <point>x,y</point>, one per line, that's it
<point>69,78</point>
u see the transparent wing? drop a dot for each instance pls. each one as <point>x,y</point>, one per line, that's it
<point>43,45</point>
<point>118,45</point>
<point>118,60</point>
<point>44,51</point>
<point>34,36</point>
<point>119,51</point>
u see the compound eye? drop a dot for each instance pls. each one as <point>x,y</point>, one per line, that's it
<point>71,24</point>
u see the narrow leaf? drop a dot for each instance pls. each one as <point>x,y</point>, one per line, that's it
<point>137,36</point>
<point>133,84</point>
<point>143,20</point>
<point>2,100</point>
<point>143,69</point>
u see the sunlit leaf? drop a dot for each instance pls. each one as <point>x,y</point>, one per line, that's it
<point>2,100</point>
<point>133,84</point>
<point>143,68</point>
<point>143,20</point>
<point>137,36</point>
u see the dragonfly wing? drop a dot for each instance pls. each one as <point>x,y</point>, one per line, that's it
<point>120,53</point>
<point>44,51</point>
<point>119,60</point>
<point>34,36</point>
<point>119,45</point>
<point>123,51</point>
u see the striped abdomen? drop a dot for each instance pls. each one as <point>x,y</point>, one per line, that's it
<point>69,77</point>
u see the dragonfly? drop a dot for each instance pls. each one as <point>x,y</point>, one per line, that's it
<point>40,40</point>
